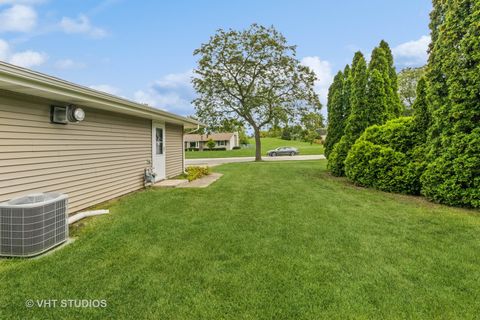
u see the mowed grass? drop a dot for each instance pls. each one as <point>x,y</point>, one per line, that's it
<point>275,240</point>
<point>305,148</point>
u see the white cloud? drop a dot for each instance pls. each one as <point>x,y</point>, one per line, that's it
<point>65,64</point>
<point>26,59</point>
<point>106,88</point>
<point>323,71</point>
<point>412,53</point>
<point>20,18</point>
<point>173,92</point>
<point>81,25</point>
<point>4,50</point>
<point>3,2</point>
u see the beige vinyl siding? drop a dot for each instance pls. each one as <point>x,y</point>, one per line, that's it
<point>174,149</point>
<point>98,159</point>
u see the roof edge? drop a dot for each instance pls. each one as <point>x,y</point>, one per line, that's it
<point>19,76</point>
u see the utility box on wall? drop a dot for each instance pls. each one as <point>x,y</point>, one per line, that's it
<point>33,224</point>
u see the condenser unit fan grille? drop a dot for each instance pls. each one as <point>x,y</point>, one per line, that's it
<point>33,224</point>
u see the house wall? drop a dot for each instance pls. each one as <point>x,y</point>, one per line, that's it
<point>228,145</point>
<point>98,159</point>
<point>236,139</point>
<point>174,150</point>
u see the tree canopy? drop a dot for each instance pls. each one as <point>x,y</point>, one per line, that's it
<point>408,79</point>
<point>252,75</point>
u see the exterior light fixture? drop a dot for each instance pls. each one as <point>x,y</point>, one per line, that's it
<point>75,114</point>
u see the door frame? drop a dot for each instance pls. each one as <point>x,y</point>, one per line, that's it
<point>159,175</point>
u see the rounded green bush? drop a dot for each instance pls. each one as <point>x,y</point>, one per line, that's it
<point>399,134</point>
<point>386,157</point>
<point>336,159</point>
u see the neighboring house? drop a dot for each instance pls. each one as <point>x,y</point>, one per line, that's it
<point>94,160</point>
<point>222,141</point>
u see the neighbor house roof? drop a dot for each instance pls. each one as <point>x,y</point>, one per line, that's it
<point>21,80</point>
<point>205,137</point>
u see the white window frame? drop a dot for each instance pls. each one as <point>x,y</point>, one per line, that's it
<point>190,144</point>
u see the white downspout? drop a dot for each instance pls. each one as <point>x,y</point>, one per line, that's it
<point>85,214</point>
<point>198,128</point>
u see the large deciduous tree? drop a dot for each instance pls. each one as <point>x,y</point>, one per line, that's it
<point>252,75</point>
<point>311,123</point>
<point>408,79</point>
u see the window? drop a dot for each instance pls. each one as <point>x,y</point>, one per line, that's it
<point>193,144</point>
<point>221,143</point>
<point>159,140</point>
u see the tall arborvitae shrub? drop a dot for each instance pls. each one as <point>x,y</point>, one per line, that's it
<point>375,112</point>
<point>346,93</point>
<point>453,173</point>
<point>338,108</point>
<point>391,157</point>
<point>369,101</point>
<point>358,97</point>
<point>356,121</point>
<point>379,87</point>
<point>421,113</point>
<point>395,107</point>
<point>336,113</point>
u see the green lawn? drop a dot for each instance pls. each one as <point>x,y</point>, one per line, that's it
<point>305,148</point>
<point>274,240</point>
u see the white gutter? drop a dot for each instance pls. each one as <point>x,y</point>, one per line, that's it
<point>17,79</point>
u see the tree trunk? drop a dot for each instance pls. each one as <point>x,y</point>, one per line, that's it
<point>258,145</point>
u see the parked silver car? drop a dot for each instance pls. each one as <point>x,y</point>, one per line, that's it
<point>283,151</point>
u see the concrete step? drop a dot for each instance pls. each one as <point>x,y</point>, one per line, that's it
<point>170,183</point>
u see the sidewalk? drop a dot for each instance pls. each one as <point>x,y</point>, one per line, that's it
<point>217,161</point>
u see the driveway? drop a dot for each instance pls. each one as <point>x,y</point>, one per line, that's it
<point>217,161</point>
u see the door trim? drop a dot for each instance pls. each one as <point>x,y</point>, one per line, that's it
<point>158,124</point>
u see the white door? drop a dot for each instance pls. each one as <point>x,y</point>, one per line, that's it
<point>158,150</point>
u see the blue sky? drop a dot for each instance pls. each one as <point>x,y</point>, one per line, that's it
<point>142,50</point>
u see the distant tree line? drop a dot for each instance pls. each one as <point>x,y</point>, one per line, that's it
<point>308,128</point>
<point>435,151</point>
